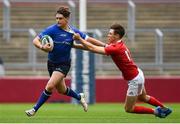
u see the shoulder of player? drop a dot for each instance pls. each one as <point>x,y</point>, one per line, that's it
<point>118,46</point>
<point>113,44</point>
<point>51,27</point>
<point>76,30</point>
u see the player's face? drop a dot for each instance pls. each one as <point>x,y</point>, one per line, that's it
<point>111,36</point>
<point>61,20</point>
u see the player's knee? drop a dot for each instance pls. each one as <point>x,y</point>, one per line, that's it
<point>128,109</point>
<point>143,98</point>
<point>50,87</point>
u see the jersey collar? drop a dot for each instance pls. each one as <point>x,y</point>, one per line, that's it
<point>119,41</point>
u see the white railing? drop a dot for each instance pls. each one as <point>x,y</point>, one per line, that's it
<point>6,20</point>
<point>131,20</point>
<point>72,6</point>
<point>158,63</point>
<point>32,54</point>
<point>159,48</point>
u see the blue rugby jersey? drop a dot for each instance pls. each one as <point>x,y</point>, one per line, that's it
<point>63,42</point>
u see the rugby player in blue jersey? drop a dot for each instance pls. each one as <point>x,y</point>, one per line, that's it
<point>59,58</point>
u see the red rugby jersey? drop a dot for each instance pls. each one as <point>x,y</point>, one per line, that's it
<point>122,58</point>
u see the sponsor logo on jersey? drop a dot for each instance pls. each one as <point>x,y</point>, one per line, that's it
<point>63,42</point>
<point>63,35</point>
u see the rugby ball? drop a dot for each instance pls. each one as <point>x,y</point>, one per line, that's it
<point>47,39</point>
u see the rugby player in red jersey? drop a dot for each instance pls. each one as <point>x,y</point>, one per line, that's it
<point>134,76</point>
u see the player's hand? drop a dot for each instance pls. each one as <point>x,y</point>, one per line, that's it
<point>76,36</point>
<point>47,47</point>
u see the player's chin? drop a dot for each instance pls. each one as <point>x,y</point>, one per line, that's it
<point>59,24</point>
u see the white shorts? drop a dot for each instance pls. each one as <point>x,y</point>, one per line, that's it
<point>136,85</point>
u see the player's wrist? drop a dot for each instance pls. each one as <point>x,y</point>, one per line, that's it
<point>41,47</point>
<point>104,45</point>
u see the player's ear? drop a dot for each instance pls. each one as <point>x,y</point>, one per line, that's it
<point>117,36</point>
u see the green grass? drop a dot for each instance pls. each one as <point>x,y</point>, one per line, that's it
<point>68,113</point>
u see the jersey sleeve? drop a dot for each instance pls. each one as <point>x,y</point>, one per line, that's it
<point>110,49</point>
<point>46,31</point>
<point>83,35</point>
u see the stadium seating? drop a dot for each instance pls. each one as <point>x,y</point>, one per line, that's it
<point>100,15</point>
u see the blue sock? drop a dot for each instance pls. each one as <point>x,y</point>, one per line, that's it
<point>71,93</point>
<point>42,99</point>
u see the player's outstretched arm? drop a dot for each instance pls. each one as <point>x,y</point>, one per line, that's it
<point>79,46</point>
<point>95,41</point>
<point>89,46</point>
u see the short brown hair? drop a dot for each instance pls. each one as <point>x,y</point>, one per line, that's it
<point>64,11</point>
<point>118,29</point>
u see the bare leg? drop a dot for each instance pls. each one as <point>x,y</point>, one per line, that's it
<point>61,87</point>
<point>55,79</point>
<point>149,99</point>
<point>130,103</point>
<point>143,97</point>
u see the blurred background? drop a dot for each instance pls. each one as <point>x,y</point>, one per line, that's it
<point>152,35</point>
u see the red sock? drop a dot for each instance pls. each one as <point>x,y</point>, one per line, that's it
<point>153,101</point>
<point>143,110</point>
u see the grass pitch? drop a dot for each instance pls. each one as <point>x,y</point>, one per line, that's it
<point>69,113</point>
